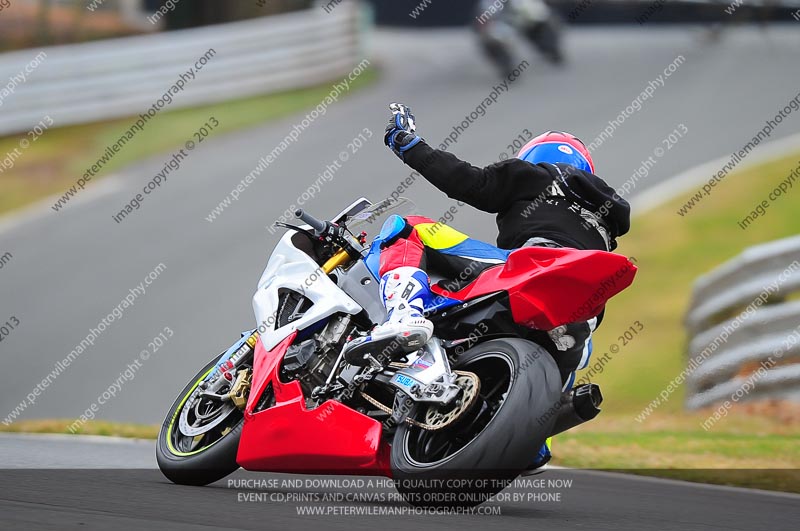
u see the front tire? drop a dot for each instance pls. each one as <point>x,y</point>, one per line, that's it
<point>214,455</point>
<point>466,463</point>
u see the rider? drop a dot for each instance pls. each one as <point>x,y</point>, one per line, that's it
<point>548,196</point>
<point>497,20</point>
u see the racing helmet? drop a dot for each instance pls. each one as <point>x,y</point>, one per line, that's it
<point>555,146</point>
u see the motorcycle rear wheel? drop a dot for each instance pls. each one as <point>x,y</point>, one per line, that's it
<point>203,459</point>
<point>466,463</point>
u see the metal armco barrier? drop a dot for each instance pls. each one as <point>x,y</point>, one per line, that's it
<point>744,336</point>
<point>99,80</point>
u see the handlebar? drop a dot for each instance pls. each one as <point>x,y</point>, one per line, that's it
<point>346,246</point>
<point>318,226</point>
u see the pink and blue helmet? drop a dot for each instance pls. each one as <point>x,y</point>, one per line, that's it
<point>555,146</point>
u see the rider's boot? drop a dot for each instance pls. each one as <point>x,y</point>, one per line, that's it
<point>539,463</point>
<point>404,291</point>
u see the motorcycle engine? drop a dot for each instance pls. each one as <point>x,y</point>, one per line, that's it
<point>311,361</point>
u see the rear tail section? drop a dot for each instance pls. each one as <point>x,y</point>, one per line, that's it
<point>550,287</point>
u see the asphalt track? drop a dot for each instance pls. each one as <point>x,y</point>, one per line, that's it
<point>70,269</point>
<point>57,496</point>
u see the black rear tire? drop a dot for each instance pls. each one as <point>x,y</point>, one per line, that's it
<point>502,448</point>
<point>208,464</point>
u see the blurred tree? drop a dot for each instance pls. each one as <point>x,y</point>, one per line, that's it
<point>189,14</point>
<point>79,11</point>
<point>43,22</point>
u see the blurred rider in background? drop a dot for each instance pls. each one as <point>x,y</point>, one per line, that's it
<point>498,22</point>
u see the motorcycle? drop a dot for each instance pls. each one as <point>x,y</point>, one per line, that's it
<point>475,402</point>
<point>533,19</point>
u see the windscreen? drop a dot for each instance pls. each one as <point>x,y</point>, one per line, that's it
<point>371,219</point>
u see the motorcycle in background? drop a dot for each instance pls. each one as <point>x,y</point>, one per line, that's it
<point>498,29</point>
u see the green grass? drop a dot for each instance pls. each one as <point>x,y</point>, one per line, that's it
<point>59,157</point>
<point>755,445</point>
<point>746,451</point>
<point>671,252</point>
<point>92,427</point>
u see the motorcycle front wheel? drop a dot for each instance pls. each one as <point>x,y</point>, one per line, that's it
<point>199,438</point>
<point>467,462</point>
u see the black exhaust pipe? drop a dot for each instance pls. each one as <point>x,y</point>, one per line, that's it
<point>579,405</point>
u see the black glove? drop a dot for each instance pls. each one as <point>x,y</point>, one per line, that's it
<point>401,131</point>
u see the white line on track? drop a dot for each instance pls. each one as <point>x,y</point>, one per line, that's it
<point>41,208</point>
<point>687,182</point>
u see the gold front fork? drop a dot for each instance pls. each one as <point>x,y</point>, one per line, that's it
<point>335,261</point>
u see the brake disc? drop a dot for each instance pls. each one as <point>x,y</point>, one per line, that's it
<point>440,416</point>
<point>204,419</point>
